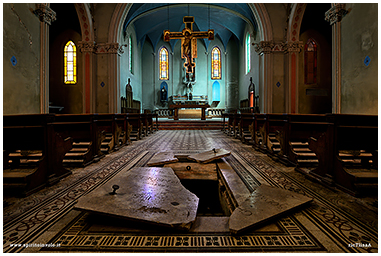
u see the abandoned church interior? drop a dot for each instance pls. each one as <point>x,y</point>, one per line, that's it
<point>190,127</point>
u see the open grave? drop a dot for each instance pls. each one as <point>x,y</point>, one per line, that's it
<point>192,193</point>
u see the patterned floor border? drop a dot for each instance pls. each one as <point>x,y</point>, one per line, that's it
<point>291,237</point>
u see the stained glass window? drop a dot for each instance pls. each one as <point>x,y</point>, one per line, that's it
<point>248,53</point>
<point>163,65</point>
<point>130,53</point>
<point>310,62</point>
<point>216,63</point>
<point>70,63</point>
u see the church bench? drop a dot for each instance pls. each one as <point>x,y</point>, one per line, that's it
<point>33,153</point>
<point>155,125</point>
<point>106,123</point>
<point>299,128</point>
<point>152,127</point>
<point>123,130</point>
<point>225,121</point>
<point>247,127</point>
<point>233,124</point>
<point>259,142</point>
<point>347,153</point>
<point>134,120</point>
<point>275,126</point>
<point>87,137</point>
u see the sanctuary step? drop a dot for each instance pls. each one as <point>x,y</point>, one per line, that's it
<point>190,125</point>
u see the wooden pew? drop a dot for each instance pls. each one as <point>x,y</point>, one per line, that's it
<point>123,130</point>
<point>225,125</point>
<point>347,153</point>
<point>275,126</point>
<point>33,153</point>
<point>87,137</point>
<point>133,119</point>
<point>259,142</point>
<point>299,128</point>
<point>247,127</point>
<point>155,125</point>
<point>106,123</point>
<point>144,124</point>
<point>236,118</point>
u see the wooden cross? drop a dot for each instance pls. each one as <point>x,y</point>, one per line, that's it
<point>188,41</point>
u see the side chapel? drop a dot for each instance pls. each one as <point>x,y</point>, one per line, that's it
<point>288,91</point>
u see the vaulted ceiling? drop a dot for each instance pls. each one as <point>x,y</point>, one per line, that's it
<point>227,19</point>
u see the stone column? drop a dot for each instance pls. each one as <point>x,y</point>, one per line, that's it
<point>292,50</point>
<point>334,16</point>
<point>87,48</point>
<point>154,80</point>
<point>46,16</point>
<point>265,50</point>
<point>227,106</point>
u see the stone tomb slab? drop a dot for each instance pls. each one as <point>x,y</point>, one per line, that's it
<point>194,171</point>
<point>148,194</point>
<point>264,204</point>
<point>162,158</point>
<point>209,156</point>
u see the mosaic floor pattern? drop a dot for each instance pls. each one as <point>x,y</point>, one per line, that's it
<point>334,222</point>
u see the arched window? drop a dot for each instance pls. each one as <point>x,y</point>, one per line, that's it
<point>216,63</point>
<point>70,63</point>
<point>130,54</point>
<point>163,64</point>
<point>310,62</point>
<point>248,57</point>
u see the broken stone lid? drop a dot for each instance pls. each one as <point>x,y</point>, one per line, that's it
<point>209,156</point>
<point>264,204</point>
<point>162,158</point>
<point>149,194</point>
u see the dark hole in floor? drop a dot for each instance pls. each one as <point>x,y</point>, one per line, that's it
<point>208,193</point>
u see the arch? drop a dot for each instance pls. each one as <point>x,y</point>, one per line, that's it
<point>216,63</point>
<point>259,12</point>
<point>87,48</point>
<point>86,22</point>
<point>216,91</point>
<point>292,59</point>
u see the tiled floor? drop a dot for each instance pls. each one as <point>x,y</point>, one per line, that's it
<point>334,222</point>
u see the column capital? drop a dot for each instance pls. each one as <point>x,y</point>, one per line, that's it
<point>109,48</point>
<point>335,13</point>
<point>266,47</point>
<point>45,13</point>
<point>289,47</point>
<point>86,46</point>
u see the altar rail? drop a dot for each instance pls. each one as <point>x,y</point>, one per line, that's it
<point>215,112</point>
<point>211,112</point>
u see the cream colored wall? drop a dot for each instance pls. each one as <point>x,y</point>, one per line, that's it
<point>21,39</point>
<point>359,38</point>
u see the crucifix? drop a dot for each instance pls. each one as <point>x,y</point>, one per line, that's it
<point>188,41</point>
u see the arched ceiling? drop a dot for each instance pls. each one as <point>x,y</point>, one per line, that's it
<point>227,19</point>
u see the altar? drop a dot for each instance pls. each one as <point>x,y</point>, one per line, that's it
<point>177,107</point>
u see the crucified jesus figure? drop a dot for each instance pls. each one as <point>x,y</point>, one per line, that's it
<point>188,41</point>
